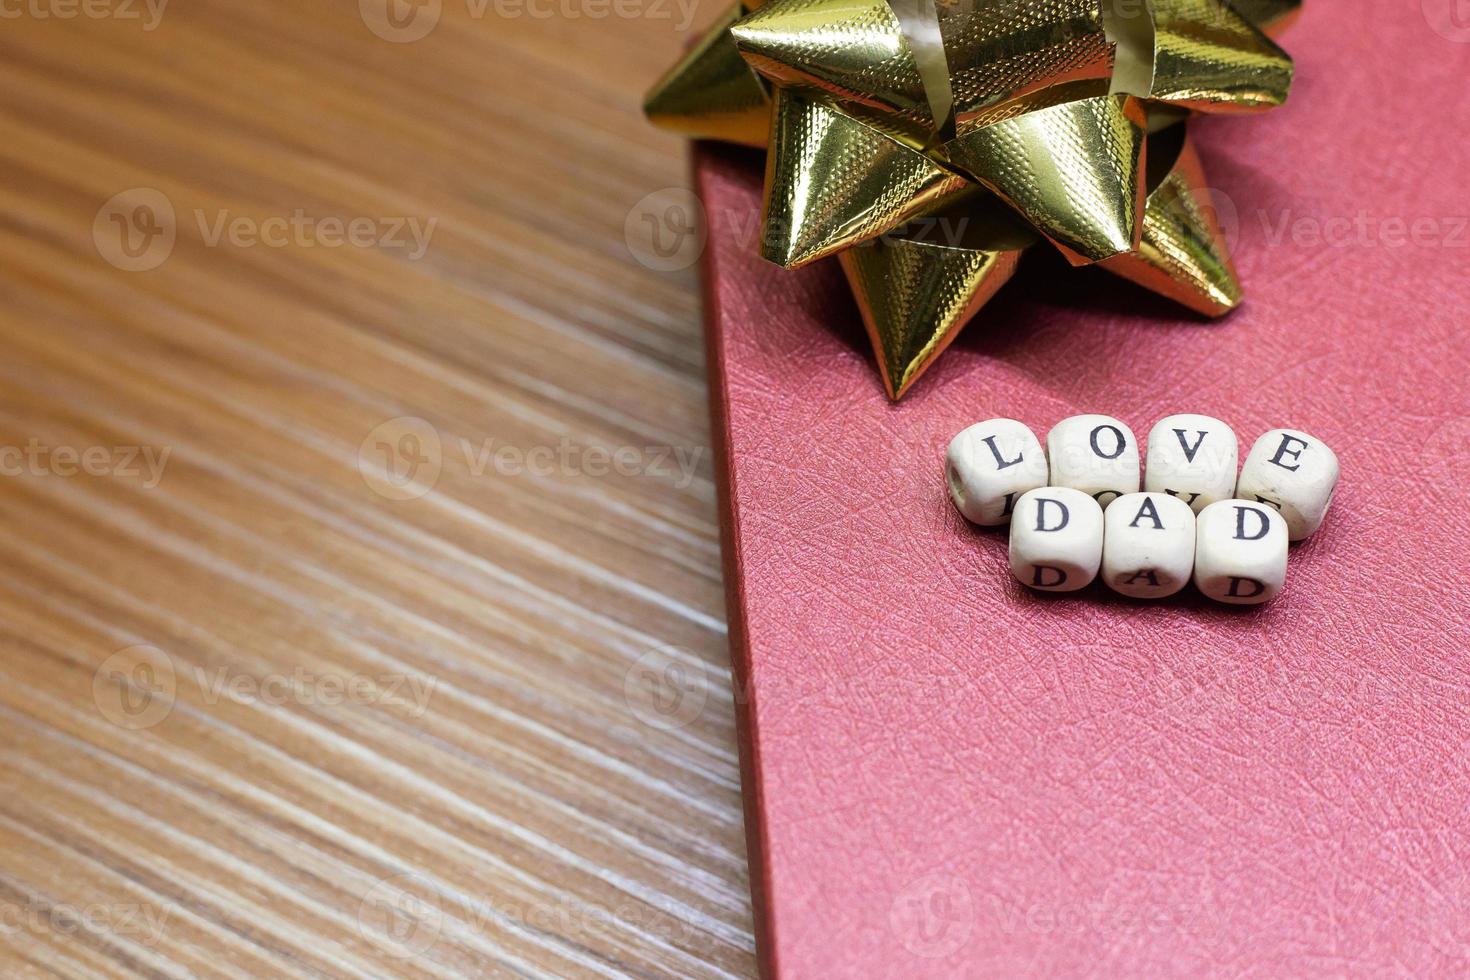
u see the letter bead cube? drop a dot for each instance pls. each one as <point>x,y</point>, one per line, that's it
<point>1295,473</point>
<point>989,465</point>
<point>1148,545</point>
<point>1240,552</point>
<point>1192,457</point>
<point>1096,454</point>
<point>1056,539</point>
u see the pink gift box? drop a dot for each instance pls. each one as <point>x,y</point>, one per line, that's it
<point>948,775</point>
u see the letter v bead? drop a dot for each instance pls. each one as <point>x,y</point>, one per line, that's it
<point>1191,457</point>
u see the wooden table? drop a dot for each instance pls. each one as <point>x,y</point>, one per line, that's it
<point>359,619</point>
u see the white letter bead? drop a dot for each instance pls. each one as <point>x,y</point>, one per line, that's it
<point>1240,552</point>
<point>1096,454</point>
<point>1056,539</point>
<point>989,465</point>
<point>1192,457</point>
<point>1148,545</point>
<point>1293,472</point>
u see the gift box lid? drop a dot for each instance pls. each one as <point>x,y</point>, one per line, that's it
<point>948,775</point>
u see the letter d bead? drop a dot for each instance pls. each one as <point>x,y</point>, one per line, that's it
<point>1240,552</point>
<point>1056,539</point>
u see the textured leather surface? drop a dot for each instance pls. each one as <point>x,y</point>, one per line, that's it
<point>950,776</point>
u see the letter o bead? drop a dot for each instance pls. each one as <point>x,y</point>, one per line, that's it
<point>1148,545</point>
<point>1056,539</point>
<point>1192,457</point>
<point>1240,552</point>
<point>1096,454</point>
<point>989,465</point>
<point>1293,472</point>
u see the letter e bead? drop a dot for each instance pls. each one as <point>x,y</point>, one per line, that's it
<point>1148,545</point>
<point>1096,454</point>
<point>1192,457</point>
<point>989,465</point>
<point>1056,539</point>
<point>1240,552</point>
<point>1295,473</point>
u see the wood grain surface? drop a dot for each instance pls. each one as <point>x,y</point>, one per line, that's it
<point>360,590</point>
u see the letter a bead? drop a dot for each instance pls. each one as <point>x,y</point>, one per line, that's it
<point>1148,545</point>
<point>1293,472</point>
<point>1240,552</point>
<point>1096,454</point>
<point>1056,539</point>
<point>1192,457</point>
<point>989,465</point>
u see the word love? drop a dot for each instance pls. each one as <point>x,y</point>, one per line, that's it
<point>1081,507</point>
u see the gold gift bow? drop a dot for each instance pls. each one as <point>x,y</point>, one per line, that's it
<point>1068,111</point>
